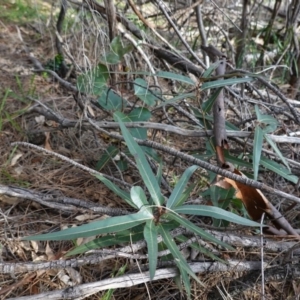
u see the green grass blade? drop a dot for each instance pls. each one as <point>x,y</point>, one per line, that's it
<point>269,123</point>
<point>109,293</point>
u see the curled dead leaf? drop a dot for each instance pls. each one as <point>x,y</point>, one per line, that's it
<point>255,202</point>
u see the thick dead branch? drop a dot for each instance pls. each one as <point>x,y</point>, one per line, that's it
<point>220,135</point>
<point>58,42</point>
<point>59,202</point>
<point>242,35</point>
<point>84,290</point>
<point>67,123</point>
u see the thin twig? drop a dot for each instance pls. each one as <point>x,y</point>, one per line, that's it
<point>162,7</point>
<point>262,257</point>
<point>206,165</point>
<point>71,162</point>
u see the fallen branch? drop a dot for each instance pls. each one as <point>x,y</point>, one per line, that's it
<point>85,290</point>
<point>59,202</point>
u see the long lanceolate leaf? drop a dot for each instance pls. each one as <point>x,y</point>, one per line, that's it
<point>109,225</point>
<point>198,247</point>
<point>208,104</point>
<point>214,212</point>
<point>150,235</point>
<point>279,169</point>
<point>175,76</point>
<point>274,146</point>
<point>257,148</point>
<point>124,195</point>
<point>224,82</point>
<point>125,236</point>
<point>180,186</point>
<point>212,67</point>
<point>189,225</point>
<point>142,164</point>
<point>179,259</point>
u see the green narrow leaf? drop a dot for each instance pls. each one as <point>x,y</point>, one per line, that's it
<point>274,146</point>
<point>197,246</point>
<point>142,164</point>
<point>217,193</point>
<point>180,186</point>
<point>110,225</point>
<point>122,165</point>
<point>178,258</point>
<point>150,235</point>
<point>142,91</point>
<point>207,105</point>
<point>257,147</point>
<point>178,282</point>
<point>136,115</point>
<point>279,169</point>
<point>124,195</point>
<point>214,212</point>
<point>224,82</point>
<point>177,98</point>
<point>110,153</point>
<point>159,173</point>
<point>189,225</point>
<point>125,236</point>
<point>269,123</point>
<point>211,68</point>
<point>138,197</point>
<point>237,161</point>
<point>176,77</point>
<point>186,280</point>
<point>185,195</point>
